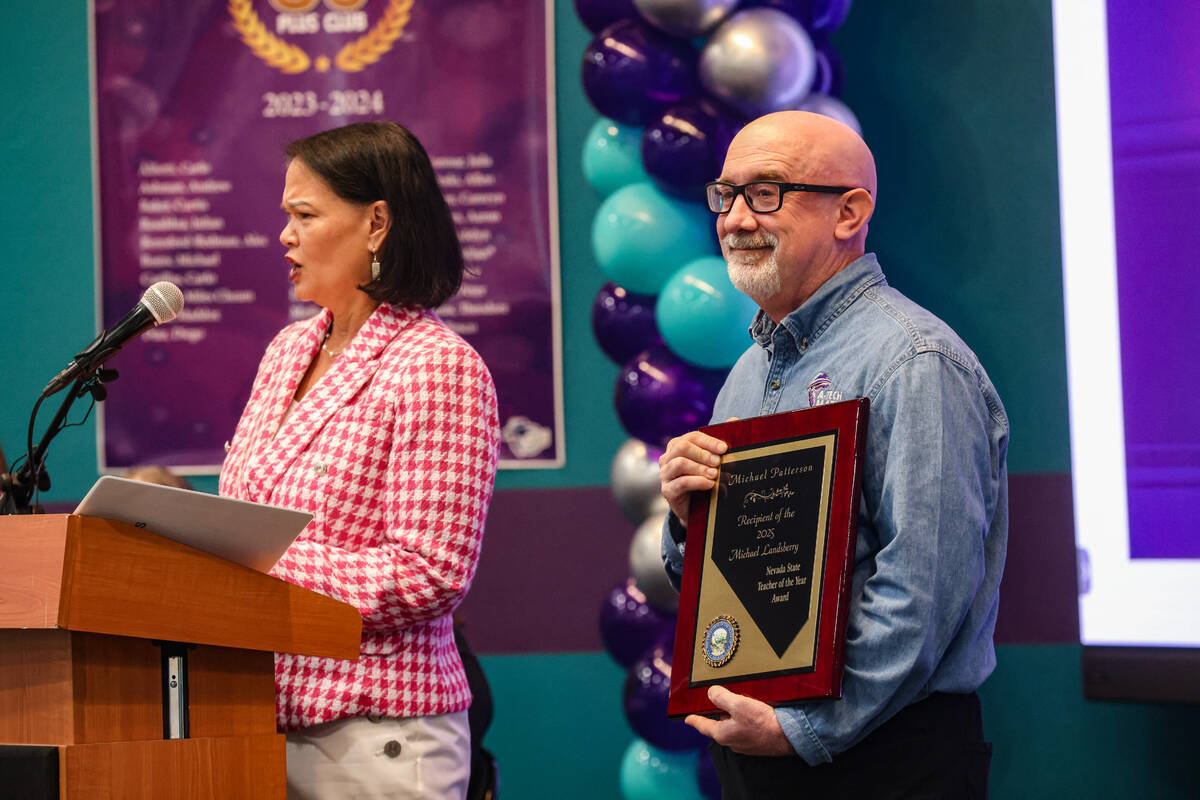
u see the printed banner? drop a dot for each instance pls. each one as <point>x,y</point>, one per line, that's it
<point>195,102</point>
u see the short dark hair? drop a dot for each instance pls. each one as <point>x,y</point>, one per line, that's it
<point>421,262</point>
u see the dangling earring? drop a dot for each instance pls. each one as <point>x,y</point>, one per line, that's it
<point>374,266</point>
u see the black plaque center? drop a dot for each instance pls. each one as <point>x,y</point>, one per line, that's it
<point>765,537</point>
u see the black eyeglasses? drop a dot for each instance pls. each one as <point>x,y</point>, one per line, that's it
<point>763,197</point>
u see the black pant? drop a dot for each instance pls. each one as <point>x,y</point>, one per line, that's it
<point>932,750</point>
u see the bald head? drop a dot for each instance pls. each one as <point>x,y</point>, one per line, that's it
<point>781,258</point>
<point>821,148</point>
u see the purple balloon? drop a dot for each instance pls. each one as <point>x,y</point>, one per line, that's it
<point>831,75</point>
<point>659,396</point>
<point>623,322</point>
<point>646,688</point>
<point>631,72</point>
<point>684,147</point>
<point>817,16</point>
<point>596,15</point>
<point>706,776</point>
<point>630,627</point>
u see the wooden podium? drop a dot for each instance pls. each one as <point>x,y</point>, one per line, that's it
<point>89,610</point>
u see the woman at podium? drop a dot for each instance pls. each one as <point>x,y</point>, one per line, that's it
<point>381,422</point>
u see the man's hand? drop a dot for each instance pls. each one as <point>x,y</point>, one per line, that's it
<point>749,726</point>
<point>688,465</point>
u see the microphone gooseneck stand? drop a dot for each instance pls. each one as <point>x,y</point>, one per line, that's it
<point>20,487</point>
<point>160,303</point>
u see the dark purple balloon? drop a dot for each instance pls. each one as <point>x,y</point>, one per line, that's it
<point>706,776</point>
<point>596,15</point>
<point>684,146</point>
<point>623,322</point>
<point>819,17</point>
<point>658,396</point>
<point>631,72</point>
<point>630,627</point>
<point>647,685</point>
<point>831,75</point>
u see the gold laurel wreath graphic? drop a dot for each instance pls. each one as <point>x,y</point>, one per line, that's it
<point>367,49</point>
<point>291,59</point>
<point>287,58</point>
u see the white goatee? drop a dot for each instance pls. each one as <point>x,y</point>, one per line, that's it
<point>758,281</point>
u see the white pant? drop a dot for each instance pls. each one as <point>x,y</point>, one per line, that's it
<point>362,758</point>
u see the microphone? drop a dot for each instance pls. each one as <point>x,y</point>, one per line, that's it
<point>161,303</point>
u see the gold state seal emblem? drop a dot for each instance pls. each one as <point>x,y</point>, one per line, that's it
<point>720,641</point>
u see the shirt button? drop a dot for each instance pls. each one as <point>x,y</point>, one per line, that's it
<point>775,385</point>
<point>391,749</point>
<point>803,343</point>
<point>320,469</point>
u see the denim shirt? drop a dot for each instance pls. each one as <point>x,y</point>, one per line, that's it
<point>933,519</point>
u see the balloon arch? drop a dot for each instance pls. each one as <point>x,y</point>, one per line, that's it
<point>674,80</point>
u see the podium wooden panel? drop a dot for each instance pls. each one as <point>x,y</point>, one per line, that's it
<point>180,769</point>
<point>81,600</point>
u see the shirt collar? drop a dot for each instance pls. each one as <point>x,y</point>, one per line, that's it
<point>380,328</point>
<point>830,300</point>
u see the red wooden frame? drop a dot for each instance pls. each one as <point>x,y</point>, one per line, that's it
<point>849,419</point>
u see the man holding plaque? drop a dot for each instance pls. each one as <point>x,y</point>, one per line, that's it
<point>792,204</point>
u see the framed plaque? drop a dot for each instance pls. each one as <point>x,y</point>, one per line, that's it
<point>767,567</point>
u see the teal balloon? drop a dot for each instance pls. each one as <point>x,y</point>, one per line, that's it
<point>640,236</point>
<point>648,773</point>
<point>612,156</point>
<point>702,317</point>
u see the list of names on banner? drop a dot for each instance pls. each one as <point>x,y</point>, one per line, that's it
<point>181,239</point>
<point>477,205</point>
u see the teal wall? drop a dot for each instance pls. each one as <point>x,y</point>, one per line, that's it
<point>47,286</point>
<point>956,99</point>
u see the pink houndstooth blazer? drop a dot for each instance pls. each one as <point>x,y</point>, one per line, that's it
<point>394,453</point>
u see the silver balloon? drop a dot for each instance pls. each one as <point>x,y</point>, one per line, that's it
<point>831,107</point>
<point>646,565</point>
<point>634,478</point>
<point>759,60</point>
<point>686,18</point>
